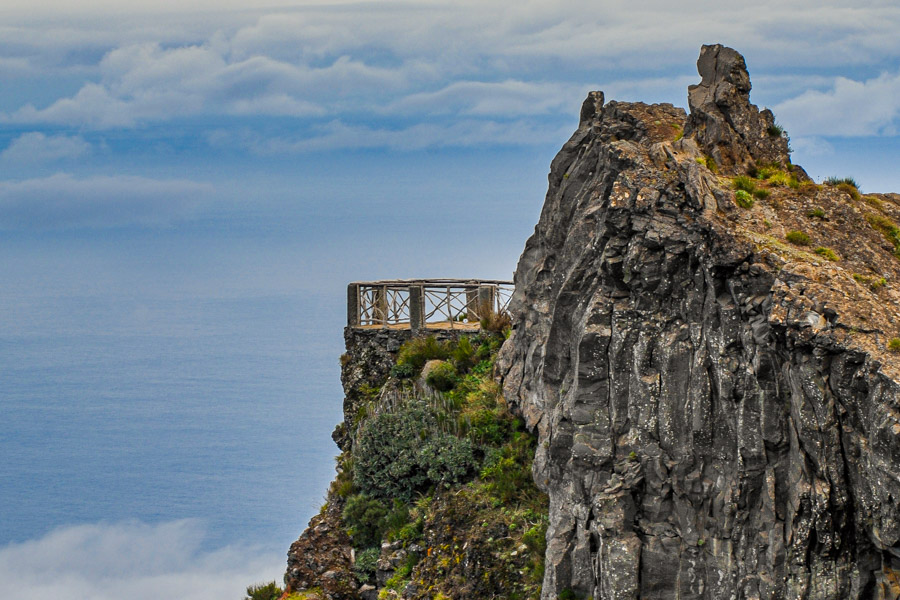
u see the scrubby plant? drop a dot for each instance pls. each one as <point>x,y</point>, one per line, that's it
<point>447,459</point>
<point>463,354</point>
<point>782,179</point>
<point>418,351</point>
<point>887,228</point>
<point>816,213</point>
<point>365,565</point>
<point>743,182</point>
<point>894,345</point>
<point>798,238</point>
<point>442,377</point>
<point>496,322</point>
<point>364,519</point>
<point>761,193</point>
<point>827,253</point>
<point>874,283</point>
<point>849,189</point>
<point>404,371</point>
<point>264,591</point>
<point>836,181</point>
<point>743,199</point>
<point>775,130</point>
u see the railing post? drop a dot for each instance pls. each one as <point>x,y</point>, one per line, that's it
<point>416,308</point>
<point>486,295</point>
<point>353,305</point>
<point>381,304</point>
<point>473,312</point>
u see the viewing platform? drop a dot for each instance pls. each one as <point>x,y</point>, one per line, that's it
<point>420,304</point>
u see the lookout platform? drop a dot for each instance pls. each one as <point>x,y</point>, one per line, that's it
<point>420,304</point>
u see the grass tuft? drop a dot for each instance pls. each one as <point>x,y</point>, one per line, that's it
<point>798,238</point>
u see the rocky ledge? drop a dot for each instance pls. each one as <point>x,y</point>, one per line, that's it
<point>703,339</point>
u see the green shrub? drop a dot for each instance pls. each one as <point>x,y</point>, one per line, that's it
<point>761,193</point>
<point>775,130</point>
<point>463,354</point>
<point>442,377</point>
<point>404,371</point>
<point>447,459</point>
<point>264,591</point>
<point>798,238</point>
<point>365,565</point>
<point>827,253</point>
<point>782,179</point>
<point>743,182</point>
<point>849,189</point>
<point>816,213</point>
<point>418,351</point>
<point>743,199</point>
<point>364,519</point>
<point>836,181</point>
<point>894,345</point>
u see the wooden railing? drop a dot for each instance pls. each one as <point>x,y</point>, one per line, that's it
<point>425,303</point>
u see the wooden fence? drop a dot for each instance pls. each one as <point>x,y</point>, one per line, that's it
<point>425,303</point>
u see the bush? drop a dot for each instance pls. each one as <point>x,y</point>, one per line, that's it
<point>463,354</point>
<point>894,345</point>
<point>797,238</point>
<point>836,181</point>
<point>775,130</point>
<point>887,228</point>
<point>364,518</point>
<point>743,182</point>
<point>761,193</point>
<point>827,253</point>
<point>447,459</point>
<point>496,322</point>
<point>743,199</point>
<point>816,213</point>
<point>264,591</point>
<point>404,371</point>
<point>442,377</point>
<point>365,565</point>
<point>849,189</point>
<point>782,179</point>
<point>418,351</point>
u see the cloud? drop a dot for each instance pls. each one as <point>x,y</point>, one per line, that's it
<point>849,108</point>
<point>140,561</point>
<point>62,201</point>
<point>337,135</point>
<point>35,147</point>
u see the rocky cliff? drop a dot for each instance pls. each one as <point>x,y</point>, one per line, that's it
<point>703,339</point>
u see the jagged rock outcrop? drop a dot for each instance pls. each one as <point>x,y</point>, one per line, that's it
<point>717,408</point>
<point>734,132</point>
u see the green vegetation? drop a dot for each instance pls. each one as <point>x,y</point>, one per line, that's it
<point>679,131</point>
<point>836,181</point>
<point>775,130</point>
<point>874,283</point>
<point>264,591</point>
<point>816,213</point>
<point>827,253</point>
<point>364,567</point>
<point>798,238</point>
<point>442,377</point>
<point>418,351</point>
<point>887,228</point>
<point>743,199</point>
<point>743,182</point>
<point>761,193</point>
<point>497,322</point>
<point>894,345</point>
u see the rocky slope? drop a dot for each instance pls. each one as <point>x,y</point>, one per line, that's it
<point>703,341</point>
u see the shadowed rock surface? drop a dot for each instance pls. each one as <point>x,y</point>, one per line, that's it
<point>716,407</point>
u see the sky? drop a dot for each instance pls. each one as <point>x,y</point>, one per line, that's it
<point>224,148</point>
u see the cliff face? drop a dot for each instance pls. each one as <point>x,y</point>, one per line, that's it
<point>717,406</point>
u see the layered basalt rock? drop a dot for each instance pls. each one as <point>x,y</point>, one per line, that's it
<point>717,410</point>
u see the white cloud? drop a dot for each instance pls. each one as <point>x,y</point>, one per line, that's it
<point>35,147</point>
<point>849,108</point>
<point>65,202</point>
<point>134,560</point>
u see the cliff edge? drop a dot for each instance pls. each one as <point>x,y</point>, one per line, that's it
<point>704,341</point>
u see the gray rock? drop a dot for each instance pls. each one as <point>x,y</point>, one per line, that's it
<point>693,446</point>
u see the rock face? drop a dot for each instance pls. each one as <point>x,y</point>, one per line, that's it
<point>726,126</point>
<point>713,420</point>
